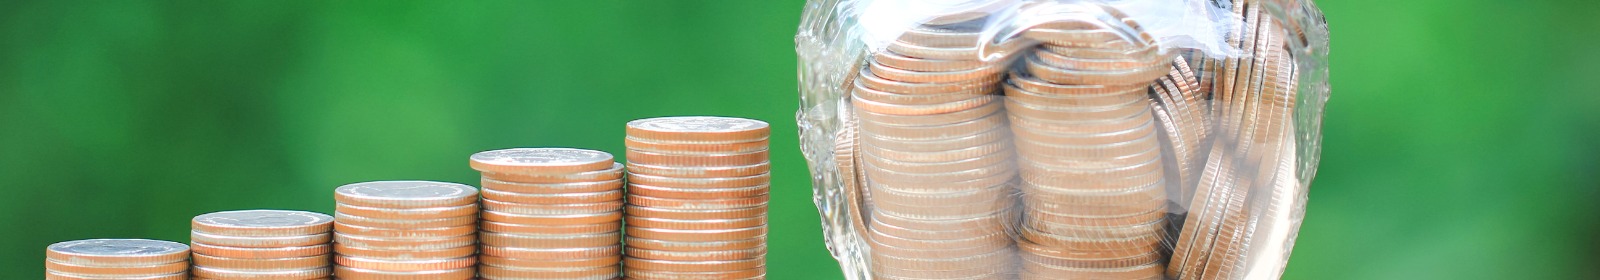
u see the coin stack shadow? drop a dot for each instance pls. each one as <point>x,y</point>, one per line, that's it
<point>940,169</point>
<point>405,230</point>
<point>117,259</point>
<point>261,244</point>
<point>1092,170</point>
<point>550,213</point>
<point>697,198</point>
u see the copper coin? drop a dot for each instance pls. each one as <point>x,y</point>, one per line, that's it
<point>946,187</point>
<point>918,176</point>
<point>1046,72</point>
<point>343,218</point>
<point>1087,97</point>
<point>928,34</point>
<point>663,223</point>
<point>677,182</point>
<point>540,161</point>
<point>978,85</point>
<point>1151,228</point>
<point>553,198</point>
<point>352,273</point>
<point>1054,240</point>
<point>405,244</point>
<point>697,160</point>
<point>261,253</point>
<point>116,252</point>
<point>898,61</point>
<point>541,229</point>
<point>262,223</point>
<point>693,214</point>
<point>940,156</point>
<point>260,242</point>
<point>644,144</point>
<point>549,241</point>
<point>294,263</point>
<point>405,194</point>
<point>613,173</point>
<point>697,193</point>
<point>935,132</point>
<point>1001,157</point>
<point>1030,248</point>
<point>554,253</point>
<point>382,254</point>
<point>142,270</point>
<point>914,210</point>
<point>595,273</point>
<point>992,239</point>
<point>568,264</point>
<point>755,273</point>
<point>1130,109</point>
<point>987,272</point>
<point>999,258</point>
<point>923,109</point>
<point>726,255</point>
<point>405,265</point>
<point>693,266</point>
<point>956,250</point>
<point>698,130</point>
<point>219,273</point>
<point>569,219</point>
<point>720,203</point>
<point>1086,138</point>
<point>1100,64</point>
<point>950,233</point>
<point>939,225</point>
<point>969,52</point>
<point>702,235</point>
<point>635,241</point>
<point>551,209</point>
<point>436,232</point>
<point>1044,204</point>
<point>1142,258</point>
<point>932,120</point>
<point>408,213</point>
<point>635,168</point>
<point>551,188</point>
<point>913,76</point>
<point>1035,270</point>
<point>1032,84</point>
<point>51,275</point>
<point>991,194</point>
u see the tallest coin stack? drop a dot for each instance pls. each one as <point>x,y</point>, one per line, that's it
<point>697,198</point>
<point>939,165</point>
<point>1093,185</point>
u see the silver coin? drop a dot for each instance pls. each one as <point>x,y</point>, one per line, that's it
<point>697,124</point>
<point>118,247</point>
<point>407,190</point>
<point>541,157</point>
<point>263,218</point>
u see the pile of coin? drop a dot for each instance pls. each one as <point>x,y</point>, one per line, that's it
<point>261,244</point>
<point>117,259</point>
<point>405,230</point>
<point>550,213</point>
<point>1091,163</point>
<point>936,153</point>
<point>697,198</point>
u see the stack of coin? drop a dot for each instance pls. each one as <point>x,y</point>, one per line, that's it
<point>697,198</point>
<point>117,259</point>
<point>405,230</point>
<point>550,213</point>
<point>261,244</point>
<point>1092,167</point>
<point>936,153</point>
<point>1249,179</point>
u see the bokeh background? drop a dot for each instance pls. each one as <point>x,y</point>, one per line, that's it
<point>1460,139</point>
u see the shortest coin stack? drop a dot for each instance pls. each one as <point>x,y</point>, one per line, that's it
<point>117,259</point>
<point>550,213</point>
<point>697,198</point>
<point>261,244</point>
<point>405,230</point>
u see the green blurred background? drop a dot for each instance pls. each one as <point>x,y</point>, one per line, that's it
<point>1461,136</point>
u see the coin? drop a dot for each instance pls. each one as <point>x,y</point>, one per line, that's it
<point>500,272</point>
<point>351,273</point>
<point>698,129</point>
<point>540,160</point>
<point>551,188</point>
<point>689,214</point>
<point>690,193</point>
<point>431,213</point>
<point>262,223</point>
<point>355,220</point>
<point>613,173</point>
<point>512,240</point>
<point>405,265</point>
<point>383,254</point>
<point>553,198</point>
<point>218,273</point>
<point>114,271</point>
<point>116,252</point>
<point>260,242</point>
<point>551,209</point>
<point>596,228</point>
<point>405,194</point>
<point>550,264</point>
<point>261,253</point>
<point>554,253</point>
<point>415,232</point>
<point>260,265</point>
<point>755,273</point>
<point>50,275</point>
